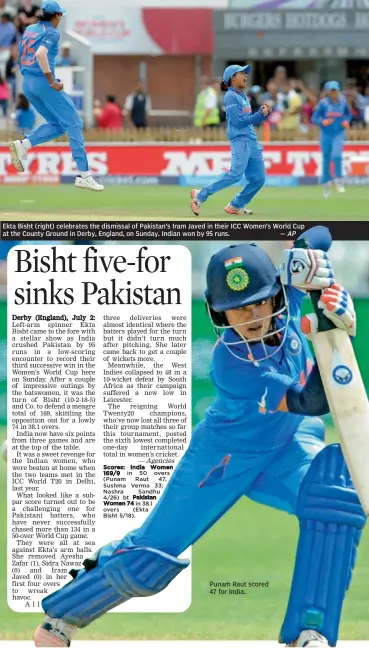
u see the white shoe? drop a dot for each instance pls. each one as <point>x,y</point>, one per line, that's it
<point>309,639</point>
<point>326,189</point>
<point>19,155</point>
<point>195,204</point>
<point>54,633</point>
<point>238,212</point>
<point>88,183</point>
<point>340,186</point>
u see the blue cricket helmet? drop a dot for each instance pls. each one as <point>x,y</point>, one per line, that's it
<point>240,275</point>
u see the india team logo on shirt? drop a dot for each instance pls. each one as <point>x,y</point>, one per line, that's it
<point>293,344</point>
<point>237,277</point>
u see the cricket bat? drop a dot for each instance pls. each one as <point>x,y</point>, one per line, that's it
<point>346,395</point>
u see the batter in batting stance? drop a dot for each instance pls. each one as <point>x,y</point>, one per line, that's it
<point>260,438</point>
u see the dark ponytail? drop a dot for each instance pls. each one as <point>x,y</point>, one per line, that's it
<point>42,16</point>
<point>224,86</point>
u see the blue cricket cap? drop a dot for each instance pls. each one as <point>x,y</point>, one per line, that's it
<point>52,7</point>
<point>231,70</point>
<point>332,85</point>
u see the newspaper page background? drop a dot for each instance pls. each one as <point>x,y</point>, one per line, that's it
<point>99,406</point>
<point>251,543</point>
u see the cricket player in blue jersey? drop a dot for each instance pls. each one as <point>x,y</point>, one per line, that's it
<point>333,116</point>
<point>37,53</point>
<point>246,153</point>
<point>261,438</point>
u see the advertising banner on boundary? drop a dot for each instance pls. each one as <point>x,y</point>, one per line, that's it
<point>169,163</point>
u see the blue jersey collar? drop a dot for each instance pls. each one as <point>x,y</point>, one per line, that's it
<point>47,25</point>
<point>336,103</point>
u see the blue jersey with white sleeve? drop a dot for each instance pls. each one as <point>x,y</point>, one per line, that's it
<point>240,119</point>
<point>337,111</point>
<point>248,395</point>
<point>43,33</point>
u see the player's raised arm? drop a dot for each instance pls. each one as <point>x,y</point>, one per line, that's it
<point>310,399</point>
<point>309,269</point>
<point>238,117</point>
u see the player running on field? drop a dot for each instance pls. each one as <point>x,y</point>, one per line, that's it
<point>37,53</point>
<point>260,438</point>
<point>246,153</point>
<point>333,116</point>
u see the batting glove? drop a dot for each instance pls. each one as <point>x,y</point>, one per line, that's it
<point>337,306</point>
<point>306,269</point>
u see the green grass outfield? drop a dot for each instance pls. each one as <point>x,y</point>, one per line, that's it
<point>251,542</point>
<point>172,202</point>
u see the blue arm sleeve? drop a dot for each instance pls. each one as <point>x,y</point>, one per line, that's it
<point>239,119</point>
<point>318,114</point>
<point>310,399</point>
<point>295,298</point>
<point>244,381</point>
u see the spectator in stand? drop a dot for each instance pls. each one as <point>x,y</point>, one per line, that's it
<point>206,113</point>
<point>24,115</point>
<point>64,59</point>
<point>7,9</point>
<point>274,99</point>
<point>306,115</point>
<point>110,116</point>
<point>4,96</point>
<point>364,104</point>
<point>364,96</point>
<point>292,107</point>
<point>7,38</point>
<point>305,91</point>
<point>254,95</point>
<point>353,99</point>
<point>26,15</point>
<point>220,97</point>
<point>280,77</point>
<point>10,71</point>
<point>254,98</point>
<point>138,107</point>
<point>310,100</point>
<point>271,93</point>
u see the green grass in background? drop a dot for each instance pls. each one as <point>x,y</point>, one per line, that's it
<point>172,202</point>
<point>251,542</point>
